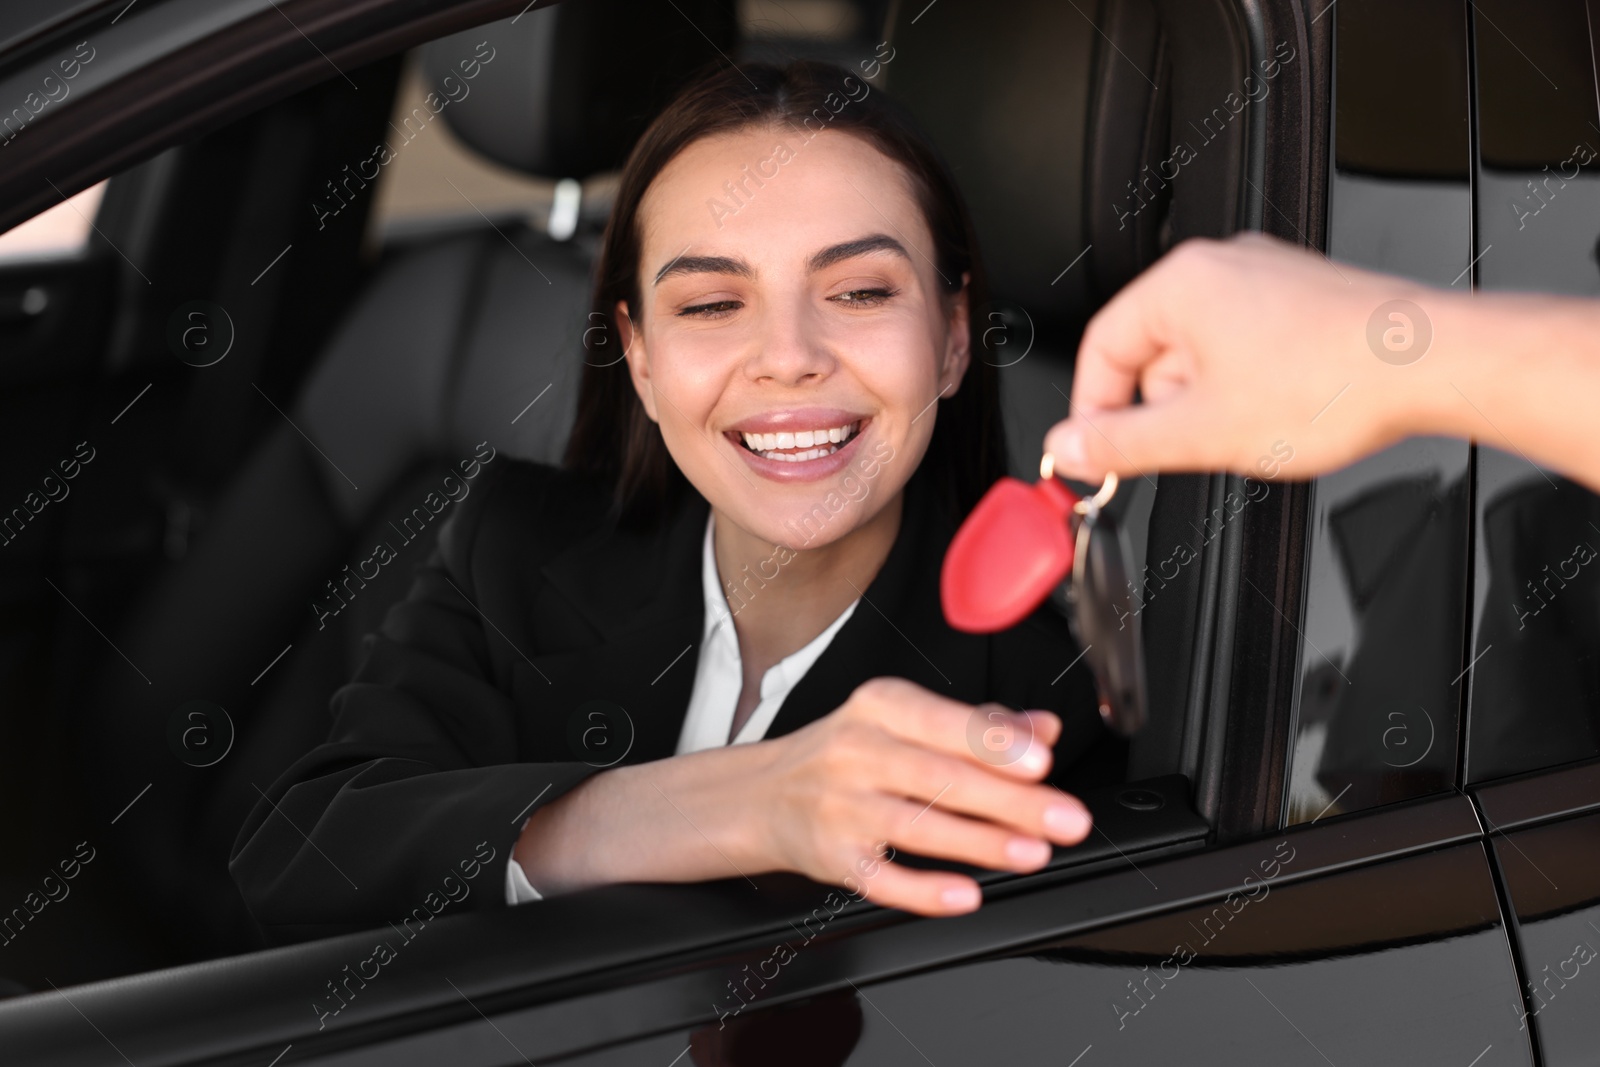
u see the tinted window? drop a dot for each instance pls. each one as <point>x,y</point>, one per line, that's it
<point>1385,606</point>
<point>1535,683</point>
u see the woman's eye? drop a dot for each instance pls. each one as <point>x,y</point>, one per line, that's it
<point>861,298</point>
<point>714,310</point>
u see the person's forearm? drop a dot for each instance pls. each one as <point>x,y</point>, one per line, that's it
<point>1519,372</point>
<point>669,820</point>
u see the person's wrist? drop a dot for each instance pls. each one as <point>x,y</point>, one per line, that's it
<point>743,820</point>
<point>1428,397</point>
<point>535,831</point>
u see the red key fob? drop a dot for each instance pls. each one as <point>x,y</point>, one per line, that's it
<point>1015,547</point>
<point>1019,543</point>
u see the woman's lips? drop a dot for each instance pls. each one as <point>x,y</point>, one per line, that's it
<point>802,470</point>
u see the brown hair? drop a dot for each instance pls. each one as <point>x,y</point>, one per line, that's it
<point>967,450</point>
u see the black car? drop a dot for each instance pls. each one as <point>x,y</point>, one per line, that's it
<point>1362,823</point>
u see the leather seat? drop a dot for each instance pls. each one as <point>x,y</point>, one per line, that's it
<point>470,336</point>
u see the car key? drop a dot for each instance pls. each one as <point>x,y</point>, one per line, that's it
<point>1111,645</point>
<point>1020,543</point>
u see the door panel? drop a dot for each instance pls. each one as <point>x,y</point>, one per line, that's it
<point>1552,881</point>
<point>1276,981</point>
<point>1414,949</point>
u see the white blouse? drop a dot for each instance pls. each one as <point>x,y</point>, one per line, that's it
<point>718,680</point>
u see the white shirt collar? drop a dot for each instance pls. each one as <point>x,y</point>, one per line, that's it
<point>719,677</point>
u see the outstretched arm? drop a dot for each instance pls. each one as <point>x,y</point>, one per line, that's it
<point>1248,349</point>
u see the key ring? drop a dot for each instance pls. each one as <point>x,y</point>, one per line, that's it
<point>1020,543</point>
<point>1088,505</point>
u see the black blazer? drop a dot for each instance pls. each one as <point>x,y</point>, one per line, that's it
<point>468,709</point>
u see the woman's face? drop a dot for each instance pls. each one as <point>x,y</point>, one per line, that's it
<point>793,339</point>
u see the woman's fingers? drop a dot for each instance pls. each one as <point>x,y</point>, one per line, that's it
<point>991,735</point>
<point>932,780</point>
<point>931,893</point>
<point>929,830</point>
<point>901,765</point>
<point>982,761</point>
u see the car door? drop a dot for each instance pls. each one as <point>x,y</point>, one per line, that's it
<point>1263,952</point>
<point>1534,720</point>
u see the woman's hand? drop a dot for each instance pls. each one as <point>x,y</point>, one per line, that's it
<point>1255,356</point>
<point>895,767</point>
<point>900,765</point>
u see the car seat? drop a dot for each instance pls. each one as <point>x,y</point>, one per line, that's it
<point>468,336</point>
<point>1039,119</point>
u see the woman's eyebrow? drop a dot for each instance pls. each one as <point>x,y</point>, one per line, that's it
<point>877,242</point>
<point>705,265</point>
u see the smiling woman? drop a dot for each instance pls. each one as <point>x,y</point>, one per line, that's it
<point>798,417</point>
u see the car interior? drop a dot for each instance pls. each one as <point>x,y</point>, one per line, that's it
<point>173,586</point>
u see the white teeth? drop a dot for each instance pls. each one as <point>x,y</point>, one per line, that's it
<point>801,457</point>
<point>767,444</point>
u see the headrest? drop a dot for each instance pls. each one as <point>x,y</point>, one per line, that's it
<point>568,88</point>
<point>1043,125</point>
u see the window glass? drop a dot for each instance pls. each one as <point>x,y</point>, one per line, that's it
<point>1535,680</point>
<point>1385,606</point>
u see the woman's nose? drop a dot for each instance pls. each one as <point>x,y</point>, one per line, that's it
<point>789,349</point>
